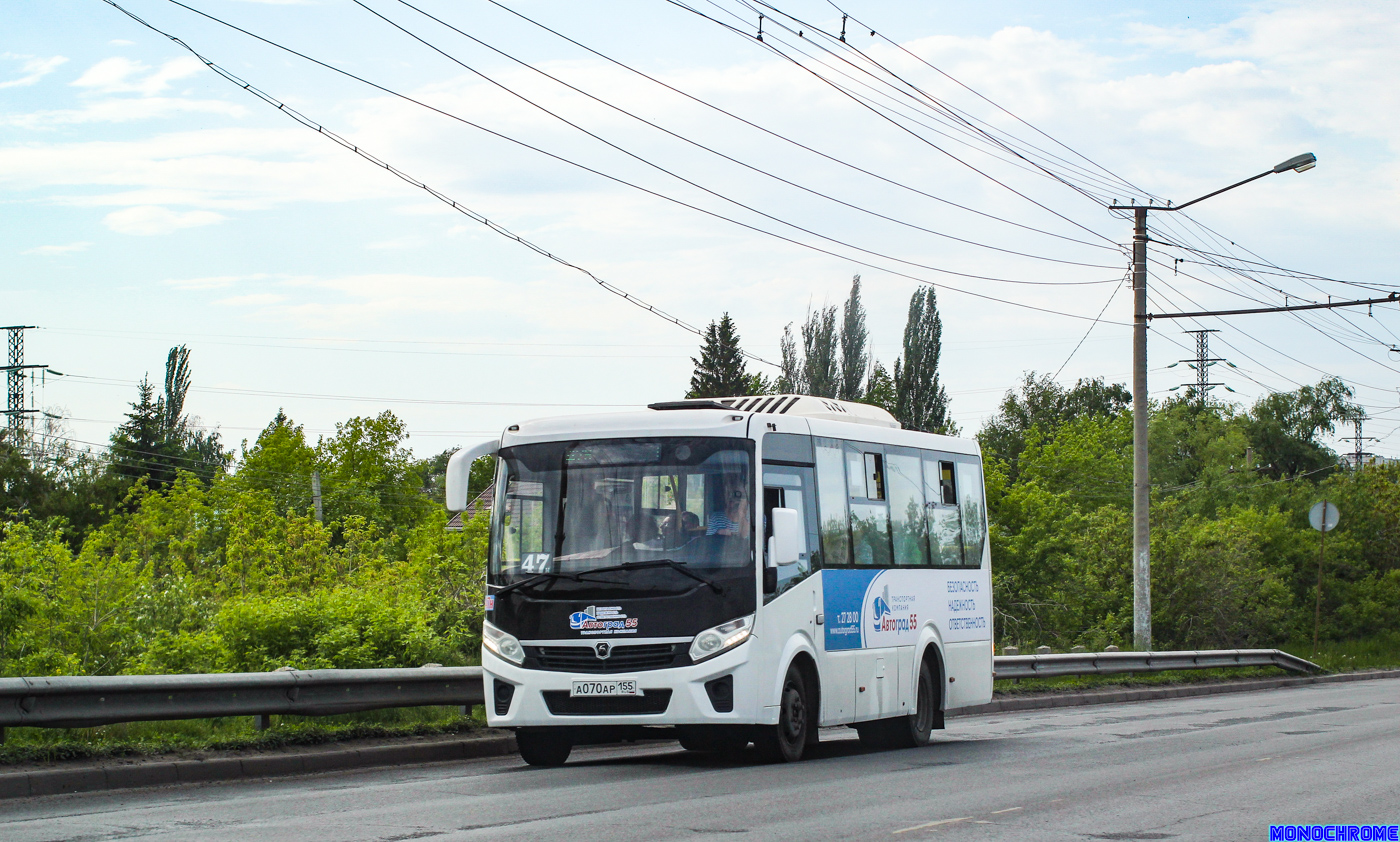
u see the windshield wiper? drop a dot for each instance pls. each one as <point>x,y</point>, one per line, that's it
<point>677,566</point>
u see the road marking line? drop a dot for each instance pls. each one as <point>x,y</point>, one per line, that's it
<point>1007,810</point>
<point>1262,759</point>
<point>932,824</point>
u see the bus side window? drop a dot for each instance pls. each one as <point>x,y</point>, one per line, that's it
<point>831,501</point>
<point>907,525</point>
<point>945,533</point>
<point>870,516</point>
<point>974,511</point>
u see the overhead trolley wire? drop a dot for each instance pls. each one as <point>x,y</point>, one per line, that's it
<point>478,217</point>
<point>400,174</point>
<point>767,45</point>
<point>778,136</point>
<point>695,143</point>
<point>722,197</point>
<point>959,120</point>
<point>880,34</point>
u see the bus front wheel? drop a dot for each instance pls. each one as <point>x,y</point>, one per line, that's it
<point>786,741</point>
<point>543,746</point>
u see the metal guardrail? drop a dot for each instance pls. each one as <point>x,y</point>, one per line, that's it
<point>1108,663</point>
<point>80,702</point>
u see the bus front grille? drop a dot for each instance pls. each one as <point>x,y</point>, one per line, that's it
<point>647,656</point>
<point>560,703</point>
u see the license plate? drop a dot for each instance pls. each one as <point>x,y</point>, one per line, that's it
<point>612,687</point>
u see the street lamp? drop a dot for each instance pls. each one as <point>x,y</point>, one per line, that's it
<point>1142,539</point>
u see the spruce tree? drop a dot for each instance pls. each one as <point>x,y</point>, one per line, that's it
<point>855,358</point>
<point>720,372</point>
<point>921,402</point>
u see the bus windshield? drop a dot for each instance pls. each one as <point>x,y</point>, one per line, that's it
<point>566,508</point>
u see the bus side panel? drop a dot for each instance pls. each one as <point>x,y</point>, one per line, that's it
<point>971,664</point>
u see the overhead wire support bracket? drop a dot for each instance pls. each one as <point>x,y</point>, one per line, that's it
<point>1394,296</point>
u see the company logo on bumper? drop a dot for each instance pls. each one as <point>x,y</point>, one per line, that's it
<point>602,619</point>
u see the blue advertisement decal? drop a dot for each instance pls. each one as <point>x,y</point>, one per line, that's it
<point>843,592</point>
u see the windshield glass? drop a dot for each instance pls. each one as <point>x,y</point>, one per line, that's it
<point>573,507</point>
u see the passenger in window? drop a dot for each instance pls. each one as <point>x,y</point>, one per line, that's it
<point>734,520</point>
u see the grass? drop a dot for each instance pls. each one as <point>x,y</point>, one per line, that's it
<point>232,733</point>
<point>1380,652</point>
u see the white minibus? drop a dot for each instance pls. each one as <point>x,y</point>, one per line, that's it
<point>733,571</point>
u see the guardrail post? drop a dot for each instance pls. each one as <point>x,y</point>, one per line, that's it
<point>263,721</point>
<point>1043,650</point>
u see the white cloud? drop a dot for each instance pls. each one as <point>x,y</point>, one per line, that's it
<point>123,75</point>
<point>122,110</point>
<point>33,68</point>
<point>214,282</point>
<point>149,220</point>
<point>121,42</point>
<point>48,251</point>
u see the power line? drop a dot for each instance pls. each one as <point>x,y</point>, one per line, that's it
<point>300,118</point>
<point>696,143</point>
<point>716,194</point>
<point>462,209</point>
<point>833,159</point>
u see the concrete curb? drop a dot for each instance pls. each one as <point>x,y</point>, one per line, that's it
<point>162,773</point>
<point>1145,694</point>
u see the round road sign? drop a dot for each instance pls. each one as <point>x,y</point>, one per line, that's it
<point>1324,516</point>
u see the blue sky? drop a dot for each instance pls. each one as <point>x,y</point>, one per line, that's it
<point>148,202</point>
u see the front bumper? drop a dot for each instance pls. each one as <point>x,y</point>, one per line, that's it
<point>689,702</point>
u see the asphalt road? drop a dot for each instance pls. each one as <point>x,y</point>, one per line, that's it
<point>1218,767</point>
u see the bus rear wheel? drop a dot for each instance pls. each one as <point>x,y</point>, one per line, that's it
<point>543,746</point>
<point>785,742</point>
<point>907,731</point>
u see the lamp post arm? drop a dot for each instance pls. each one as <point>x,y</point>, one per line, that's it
<point>1193,201</point>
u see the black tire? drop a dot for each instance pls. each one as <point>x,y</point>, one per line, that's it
<point>543,746</point>
<point>786,741</point>
<point>910,731</point>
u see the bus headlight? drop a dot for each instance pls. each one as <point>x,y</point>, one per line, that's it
<point>502,643</point>
<point>721,638</point>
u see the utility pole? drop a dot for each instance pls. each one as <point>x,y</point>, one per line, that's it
<point>14,381</point>
<point>1142,536</point>
<point>1142,487</point>
<point>316,493</point>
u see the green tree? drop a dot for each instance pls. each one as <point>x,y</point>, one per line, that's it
<point>367,471</point>
<point>855,357</point>
<point>720,371</point>
<point>820,350</point>
<point>1285,426</point>
<point>921,402</point>
<point>792,379</point>
<point>880,389</point>
<point>158,439</point>
<point>280,462</point>
<point>1045,404</point>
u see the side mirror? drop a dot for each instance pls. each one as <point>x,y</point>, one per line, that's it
<point>783,544</point>
<point>459,471</point>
